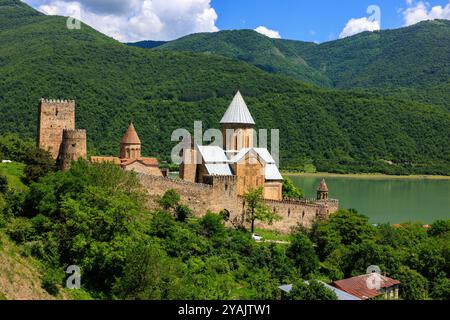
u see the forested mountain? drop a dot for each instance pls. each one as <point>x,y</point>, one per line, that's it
<point>413,56</point>
<point>147,44</point>
<point>337,130</point>
<point>275,56</point>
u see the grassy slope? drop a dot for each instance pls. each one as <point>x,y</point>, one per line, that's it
<point>20,278</point>
<point>14,174</point>
<point>162,91</point>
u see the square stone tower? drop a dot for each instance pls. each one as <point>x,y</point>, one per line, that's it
<point>55,116</point>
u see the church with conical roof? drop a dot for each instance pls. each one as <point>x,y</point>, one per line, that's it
<point>130,155</point>
<point>252,167</point>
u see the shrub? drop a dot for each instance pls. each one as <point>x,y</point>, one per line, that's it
<point>413,285</point>
<point>313,290</point>
<point>52,280</point>
<point>3,184</point>
<point>20,229</point>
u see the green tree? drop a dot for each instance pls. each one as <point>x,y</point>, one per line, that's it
<point>301,251</point>
<point>212,226</point>
<point>39,163</point>
<point>94,214</point>
<point>413,285</point>
<point>145,268</point>
<point>351,226</point>
<point>170,200</point>
<point>313,290</point>
<point>257,210</point>
<point>441,288</point>
<point>182,212</point>
<point>3,184</point>
<point>290,191</point>
<point>440,228</point>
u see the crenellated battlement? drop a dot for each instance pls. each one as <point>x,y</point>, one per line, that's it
<point>74,134</point>
<point>57,101</point>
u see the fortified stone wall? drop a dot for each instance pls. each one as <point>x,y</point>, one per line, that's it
<point>294,212</point>
<point>55,116</point>
<point>221,193</point>
<point>199,197</point>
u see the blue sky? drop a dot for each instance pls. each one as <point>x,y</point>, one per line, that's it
<point>319,20</point>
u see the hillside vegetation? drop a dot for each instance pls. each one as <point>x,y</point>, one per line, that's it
<point>275,56</point>
<point>407,57</point>
<point>337,131</point>
<point>93,216</point>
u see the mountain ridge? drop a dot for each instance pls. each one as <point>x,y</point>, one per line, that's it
<point>160,91</point>
<point>414,56</point>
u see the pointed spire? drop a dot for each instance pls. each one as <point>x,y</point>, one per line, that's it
<point>131,136</point>
<point>323,186</point>
<point>238,112</point>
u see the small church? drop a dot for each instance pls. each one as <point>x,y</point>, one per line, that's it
<point>253,167</point>
<point>130,155</point>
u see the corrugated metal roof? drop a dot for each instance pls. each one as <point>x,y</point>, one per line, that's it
<point>213,154</point>
<point>218,169</point>
<point>272,173</point>
<point>357,286</point>
<point>238,112</point>
<point>341,295</point>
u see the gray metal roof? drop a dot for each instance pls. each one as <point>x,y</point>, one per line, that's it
<point>272,173</point>
<point>213,154</point>
<point>218,169</point>
<point>341,295</point>
<point>238,112</point>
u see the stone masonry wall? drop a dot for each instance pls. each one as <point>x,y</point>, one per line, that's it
<point>54,117</point>
<point>221,194</point>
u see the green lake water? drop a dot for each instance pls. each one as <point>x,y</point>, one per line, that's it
<point>386,200</point>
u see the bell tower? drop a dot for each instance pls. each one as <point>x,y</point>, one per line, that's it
<point>237,126</point>
<point>322,191</point>
<point>130,145</point>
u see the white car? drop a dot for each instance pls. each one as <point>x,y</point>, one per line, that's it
<point>6,161</point>
<point>256,237</point>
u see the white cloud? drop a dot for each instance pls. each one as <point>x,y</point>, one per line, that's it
<point>268,33</point>
<point>134,20</point>
<point>423,11</point>
<point>355,26</point>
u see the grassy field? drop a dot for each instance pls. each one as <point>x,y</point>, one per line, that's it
<point>14,174</point>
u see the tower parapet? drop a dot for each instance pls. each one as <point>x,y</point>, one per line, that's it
<point>74,147</point>
<point>322,191</point>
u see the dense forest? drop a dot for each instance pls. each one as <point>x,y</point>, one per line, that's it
<point>93,217</point>
<point>414,57</point>
<point>335,130</point>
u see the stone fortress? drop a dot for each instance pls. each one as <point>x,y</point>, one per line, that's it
<point>211,178</point>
